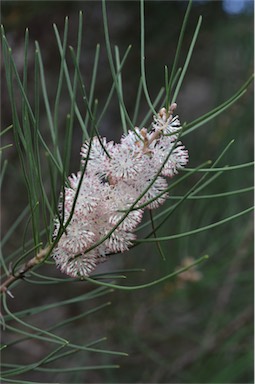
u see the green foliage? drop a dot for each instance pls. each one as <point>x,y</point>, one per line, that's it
<point>45,158</point>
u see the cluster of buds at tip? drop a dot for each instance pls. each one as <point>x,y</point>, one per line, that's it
<point>103,203</point>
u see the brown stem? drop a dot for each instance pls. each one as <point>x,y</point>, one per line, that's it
<point>37,259</point>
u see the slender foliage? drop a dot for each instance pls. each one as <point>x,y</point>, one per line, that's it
<point>45,161</point>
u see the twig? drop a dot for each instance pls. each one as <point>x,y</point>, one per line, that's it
<point>25,267</point>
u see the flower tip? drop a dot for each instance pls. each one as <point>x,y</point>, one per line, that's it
<point>173,107</point>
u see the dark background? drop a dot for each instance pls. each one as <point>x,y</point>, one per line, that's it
<point>177,332</point>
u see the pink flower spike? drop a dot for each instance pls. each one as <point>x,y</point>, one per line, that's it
<point>99,208</point>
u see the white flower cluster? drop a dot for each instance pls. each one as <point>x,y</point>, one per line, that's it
<point>101,204</point>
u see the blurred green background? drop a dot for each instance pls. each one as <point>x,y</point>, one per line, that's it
<point>198,330</point>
